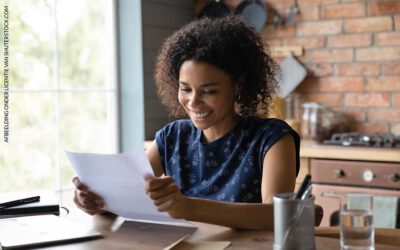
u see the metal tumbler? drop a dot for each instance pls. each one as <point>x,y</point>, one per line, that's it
<point>293,222</point>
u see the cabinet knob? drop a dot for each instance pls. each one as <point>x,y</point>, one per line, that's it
<point>394,177</point>
<point>368,175</point>
<point>340,173</point>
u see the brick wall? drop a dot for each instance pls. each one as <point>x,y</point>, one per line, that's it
<point>352,52</point>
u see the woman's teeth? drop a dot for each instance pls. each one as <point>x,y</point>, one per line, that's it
<point>200,115</point>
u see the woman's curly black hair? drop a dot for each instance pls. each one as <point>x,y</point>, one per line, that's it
<point>228,44</point>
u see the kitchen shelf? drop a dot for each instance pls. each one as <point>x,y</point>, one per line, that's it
<point>310,149</point>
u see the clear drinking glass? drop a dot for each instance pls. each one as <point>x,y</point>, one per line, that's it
<point>356,222</point>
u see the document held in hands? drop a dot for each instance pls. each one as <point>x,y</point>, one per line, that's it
<point>119,179</point>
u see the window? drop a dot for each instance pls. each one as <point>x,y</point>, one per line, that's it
<point>62,90</point>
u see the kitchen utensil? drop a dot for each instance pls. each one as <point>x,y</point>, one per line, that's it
<point>214,9</point>
<point>293,222</point>
<point>254,12</point>
<point>293,12</point>
<point>277,19</point>
<point>293,73</point>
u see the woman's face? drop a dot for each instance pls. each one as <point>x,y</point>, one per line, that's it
<point>207,94</point>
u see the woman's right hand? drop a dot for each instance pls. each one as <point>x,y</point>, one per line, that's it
<point>87,200</point>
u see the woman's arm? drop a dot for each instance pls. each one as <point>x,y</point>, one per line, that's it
<point>154,159</point>
<point>278,177</point>
<point>279,169</point>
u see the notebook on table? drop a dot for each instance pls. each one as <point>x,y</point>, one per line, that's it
<point>47,205</point>
<point>42,230</point>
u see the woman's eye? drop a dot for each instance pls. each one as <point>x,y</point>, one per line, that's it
<point>210,91</point>
<point>185,89</point>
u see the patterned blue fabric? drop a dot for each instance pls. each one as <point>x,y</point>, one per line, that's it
<point>227,169</point>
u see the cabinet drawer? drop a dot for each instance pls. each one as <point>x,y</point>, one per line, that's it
<point>356,173</point>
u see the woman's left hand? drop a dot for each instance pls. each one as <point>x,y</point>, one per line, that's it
<point>166,196</point>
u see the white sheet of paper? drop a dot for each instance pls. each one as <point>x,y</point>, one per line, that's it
<point>118,178</point>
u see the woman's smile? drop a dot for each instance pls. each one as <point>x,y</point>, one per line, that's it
<point>207,93</point>
<point>199,115</point>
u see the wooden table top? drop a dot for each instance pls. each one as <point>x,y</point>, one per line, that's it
<point>139,235</point>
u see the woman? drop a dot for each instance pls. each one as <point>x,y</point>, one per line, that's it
<point>223,165</point>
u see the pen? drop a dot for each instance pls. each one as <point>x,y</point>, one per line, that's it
<point>19,202</point>
<point>304,188</point>
<point>303,193</point>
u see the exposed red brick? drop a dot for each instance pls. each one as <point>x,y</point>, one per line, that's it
<point>369,127</point>
<point>343,10</point>
<point>279,4</point>
<point>354,115</point>
<point>307,42</point>
<point>302,59</point>
<point>395,129</point>
<point>391,68</point>
<point>321,69</point>
<point>390,38</point>
<point>368,24</point>
<point>378,54</point>
<point>383,7</point>
<point>319,28</point>
<point>350,41</point>
<point>269,31</point>
<point>314,2</point>
<point>354,65</point>
<point>384,115</point>
<point>310,84</point>
<point>341,84</point>
<point>367,100</point>
<point>356,69</point>
<point>273,42</point>
<point>384,83</point>
<point>309,13</point>
<point>396,99</point>
<point>329,99</point>
<point>333,55</point>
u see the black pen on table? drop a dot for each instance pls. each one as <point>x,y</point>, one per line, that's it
<point>304,189</point>
<point>19,202</point>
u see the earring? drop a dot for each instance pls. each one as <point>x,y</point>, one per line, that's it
<point>237,96</point>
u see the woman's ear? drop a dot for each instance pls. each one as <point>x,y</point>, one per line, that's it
<point>237,91</point>
<point>239,84</point>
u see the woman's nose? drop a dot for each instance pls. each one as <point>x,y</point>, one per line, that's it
<point>194,99</point>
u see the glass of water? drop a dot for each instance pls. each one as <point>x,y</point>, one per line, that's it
<point>356,222</point>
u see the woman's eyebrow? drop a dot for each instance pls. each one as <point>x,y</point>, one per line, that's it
<point>210,84</point>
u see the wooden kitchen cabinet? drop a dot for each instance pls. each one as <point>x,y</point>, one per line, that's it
<point>340,169</point>
<point>304,170</point>
<point>311,150</point>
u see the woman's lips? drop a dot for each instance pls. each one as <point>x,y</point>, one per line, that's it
<point>199,115</point>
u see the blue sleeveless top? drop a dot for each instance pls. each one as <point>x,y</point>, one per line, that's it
<point>227,169</point>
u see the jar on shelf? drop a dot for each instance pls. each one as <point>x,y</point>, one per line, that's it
<point>317,121</point>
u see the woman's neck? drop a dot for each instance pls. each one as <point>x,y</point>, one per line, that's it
<point>215,132</point>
